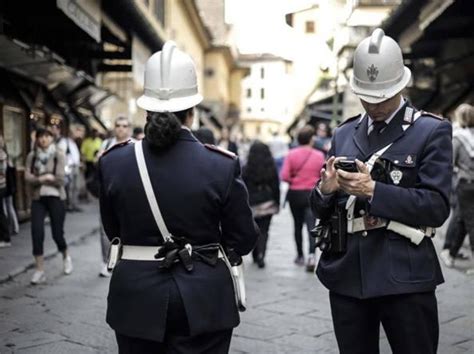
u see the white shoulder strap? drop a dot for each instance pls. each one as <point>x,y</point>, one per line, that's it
<point>149,192</point>
<point>350,204</point>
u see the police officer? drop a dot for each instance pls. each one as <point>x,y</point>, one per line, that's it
<point>379,262</point>
<point>163,307</point>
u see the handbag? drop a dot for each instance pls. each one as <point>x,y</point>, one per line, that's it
<point>269,207</point>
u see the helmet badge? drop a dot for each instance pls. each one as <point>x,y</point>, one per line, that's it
<point>372,72</point>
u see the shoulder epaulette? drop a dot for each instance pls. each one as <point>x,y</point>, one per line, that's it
<point>424,113</point>
<point>349,120</point>
<point>220,150</point>
<point>116,146</point>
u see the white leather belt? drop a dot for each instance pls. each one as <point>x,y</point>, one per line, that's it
<point>358,224</point>
<point>415,235</point>
<point>145,253</point>
<point>140,253</point>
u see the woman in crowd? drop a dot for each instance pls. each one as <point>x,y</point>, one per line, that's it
<point>45,174</point>
<point>261,177</point>
<point>301,170</point>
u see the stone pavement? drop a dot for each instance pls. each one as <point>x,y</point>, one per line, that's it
<point>288,308</point>
<point>18,258</point>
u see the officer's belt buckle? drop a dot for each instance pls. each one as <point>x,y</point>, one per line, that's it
<point>367,222</point>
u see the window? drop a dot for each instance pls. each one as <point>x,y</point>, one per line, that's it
<point>209,72</point>
<point>262,93</point>
<point>249,110</point>
<point>249,93</point>
<point>309,27</point>
<point>262,109</point>
<point>262,73</point>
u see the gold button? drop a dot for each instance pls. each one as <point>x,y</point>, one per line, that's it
<point>364,233</point>
<point>362,212</point>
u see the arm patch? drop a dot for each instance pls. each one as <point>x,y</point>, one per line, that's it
<point>424,113</point>
<point>116,146</point>
<point>220,150</point>
<point>349,120</point>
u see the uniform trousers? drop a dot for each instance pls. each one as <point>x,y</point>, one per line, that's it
<point>177,338</point>
<point>208,343</point>
<point>410,322</point>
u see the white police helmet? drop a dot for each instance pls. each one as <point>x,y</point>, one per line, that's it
<point>170,81</point>
<point>379,73</point>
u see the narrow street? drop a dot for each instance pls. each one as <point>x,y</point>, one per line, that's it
<point>288,308</point>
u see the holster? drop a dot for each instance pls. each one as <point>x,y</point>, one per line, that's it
<point>331,233</point>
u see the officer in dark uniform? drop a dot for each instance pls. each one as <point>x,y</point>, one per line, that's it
<point>169,308</point>
<point>379,262</point>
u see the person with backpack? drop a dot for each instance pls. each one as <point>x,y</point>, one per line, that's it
<point>45,176</point>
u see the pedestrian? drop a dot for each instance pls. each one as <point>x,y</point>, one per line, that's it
<point>301,169</point>
<point>73,162</point>
<point>279,148</point>
<point>322,140</point>
<point>44,173</point>
<point>205,136</point>
<point>261,177</point>
<point>377,264</point>
<point>138,133</point>
<point>89,149</point>
<point>226,142</point>
<point>5,240</point>
<point>183,299</point>
<point>462,219</point>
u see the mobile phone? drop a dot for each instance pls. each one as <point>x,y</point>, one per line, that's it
<point>346,165</point>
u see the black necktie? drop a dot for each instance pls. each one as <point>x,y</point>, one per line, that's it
<point>375,134</point>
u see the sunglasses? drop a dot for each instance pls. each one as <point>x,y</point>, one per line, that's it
<point>121,125</point>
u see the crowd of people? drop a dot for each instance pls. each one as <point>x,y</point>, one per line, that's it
<point>265,166</point>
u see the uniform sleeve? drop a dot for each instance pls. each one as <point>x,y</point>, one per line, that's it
<point>239,231</point>
<point>427,204</point>
<point>322,205</point>
<point>107,213</point>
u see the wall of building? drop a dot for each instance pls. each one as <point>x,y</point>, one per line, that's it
<point>180,29</point>
<point>271,110</point>
<point>217,77</point>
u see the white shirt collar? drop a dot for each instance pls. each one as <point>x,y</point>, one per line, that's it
<point>389,119</point>
<point>185,128</point>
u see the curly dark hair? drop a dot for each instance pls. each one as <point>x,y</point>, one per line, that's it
<point>162,128</point>
<point>260,168</point>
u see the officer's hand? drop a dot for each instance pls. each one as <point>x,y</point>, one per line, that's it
<point>359,183</point>
<point>329,182</point>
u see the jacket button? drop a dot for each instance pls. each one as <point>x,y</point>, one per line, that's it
<point>362,212</point>
<point>364,233</point>
<point>396,161</point>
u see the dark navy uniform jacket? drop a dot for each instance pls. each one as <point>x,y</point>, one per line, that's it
<point>201,197</point>
<point>384,262</point>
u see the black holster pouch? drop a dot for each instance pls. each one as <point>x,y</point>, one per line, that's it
<point>331,233</point>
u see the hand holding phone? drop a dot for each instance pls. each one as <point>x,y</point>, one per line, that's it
<point>346,165</point>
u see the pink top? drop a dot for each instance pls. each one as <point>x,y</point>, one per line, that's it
<point>302,167</point>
